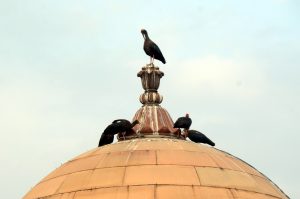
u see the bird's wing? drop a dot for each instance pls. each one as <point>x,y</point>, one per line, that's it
<point>112,129</point>
<point>181,122</point>
<point>189,122</point>
<point>118,120</point>
<point>176,124</point>
<point>158,55</point>
<point>105,139</point>
<point>199,137</point>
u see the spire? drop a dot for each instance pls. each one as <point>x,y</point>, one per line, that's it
<point>154,120</point>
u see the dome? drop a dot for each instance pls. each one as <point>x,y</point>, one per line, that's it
<point>155,168</point>
<point>154,160</point>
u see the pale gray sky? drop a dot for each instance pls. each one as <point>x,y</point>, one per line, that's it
<point>68,68</point>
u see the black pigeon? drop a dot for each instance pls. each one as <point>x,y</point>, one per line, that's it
<point>117,126</point>
<point>183,122</point>
<point>199,137</point>
<point>151,48</point>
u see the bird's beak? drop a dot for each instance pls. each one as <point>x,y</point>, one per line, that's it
<point>143,36</point>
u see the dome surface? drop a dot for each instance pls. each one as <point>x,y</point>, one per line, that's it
<point>159,168</point>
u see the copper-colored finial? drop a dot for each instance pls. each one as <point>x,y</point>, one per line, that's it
<point>154,120</point>
<point>150,76</point>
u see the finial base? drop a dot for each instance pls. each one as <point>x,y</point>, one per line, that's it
<point>154,121</point>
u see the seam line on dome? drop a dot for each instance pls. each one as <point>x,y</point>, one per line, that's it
<point>152,165</point>
<point>198,175</point>
<point>130,151</point>
<point>217,187</point>
<point>218,167</point>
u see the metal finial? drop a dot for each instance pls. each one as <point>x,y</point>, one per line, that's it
<point>150,76</point>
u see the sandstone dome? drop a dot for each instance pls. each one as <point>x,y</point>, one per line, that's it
<point>154,161</point>
<point>157,168</point>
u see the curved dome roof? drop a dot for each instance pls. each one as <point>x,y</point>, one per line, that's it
<point>155,168</point>
<point>154,160</point>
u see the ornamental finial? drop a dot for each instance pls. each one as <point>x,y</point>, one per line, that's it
<point>150,76</point>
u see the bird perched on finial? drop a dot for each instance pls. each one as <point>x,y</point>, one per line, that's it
<point>117,126</point>
<point>183,122</point>
<point>199,137</point>
<point>152,49</point>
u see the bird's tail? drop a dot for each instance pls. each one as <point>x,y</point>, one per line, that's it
<point>211,143</point>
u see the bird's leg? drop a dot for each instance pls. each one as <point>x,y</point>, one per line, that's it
<point>153,59</point>
<point>178,133</point>
<point>123,135</point>
<point>185,132</point>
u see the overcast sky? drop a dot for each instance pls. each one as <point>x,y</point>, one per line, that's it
<point>68,68</point>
